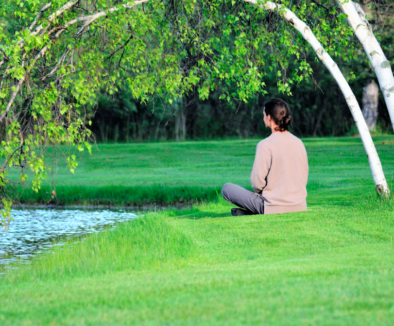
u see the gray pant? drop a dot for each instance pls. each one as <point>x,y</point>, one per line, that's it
<point>243,198</point>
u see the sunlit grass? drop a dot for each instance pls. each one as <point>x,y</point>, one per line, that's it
<point>330,265</point>
<point>166,173</point>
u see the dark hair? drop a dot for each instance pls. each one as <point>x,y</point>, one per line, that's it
<point>279,111</point>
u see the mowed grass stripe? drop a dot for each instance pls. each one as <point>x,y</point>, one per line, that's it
<point>166,173</point>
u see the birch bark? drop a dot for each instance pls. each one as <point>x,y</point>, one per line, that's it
<point>373,158</point>
<point>380,64</point>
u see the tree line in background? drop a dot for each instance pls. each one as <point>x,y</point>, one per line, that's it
<point>318,109</point>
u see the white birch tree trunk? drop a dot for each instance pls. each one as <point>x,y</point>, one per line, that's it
<point>306,32</point>
<point>380,64</point>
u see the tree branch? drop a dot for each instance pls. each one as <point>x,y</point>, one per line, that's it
<point>91,18</point>
<point>321,6</point>
<point>18,86</point>
<point>120,48</point>
<point>5,57</point>
<point>12,154</point>
<point>43,9</point>
<point>56,14</point>
<point>51,18</point>
<point>57,65</point>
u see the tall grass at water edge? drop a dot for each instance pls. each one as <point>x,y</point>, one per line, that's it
<point>142,244</point>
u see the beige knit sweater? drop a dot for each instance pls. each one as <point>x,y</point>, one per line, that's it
<point>280,173</point>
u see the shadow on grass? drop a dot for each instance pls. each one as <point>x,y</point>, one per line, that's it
<point>196,213</point>
<point>112,195</point>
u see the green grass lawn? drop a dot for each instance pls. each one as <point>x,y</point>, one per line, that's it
<point>165,173</point>
<point>331,265</point>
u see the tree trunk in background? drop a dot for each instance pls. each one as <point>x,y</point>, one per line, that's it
<point>191,114</point>
<point>380,64</point>
<point>180,120</point>
<point>370,104</point>
<point>373,158</point>
<point>318,122</point>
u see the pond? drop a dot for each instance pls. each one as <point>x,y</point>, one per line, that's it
<point>35,230</point>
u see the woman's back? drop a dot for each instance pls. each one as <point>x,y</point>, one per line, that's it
<point>280,170</point>
<point>280,173</point>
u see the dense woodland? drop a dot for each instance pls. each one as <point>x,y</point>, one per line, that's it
<point>317,104</point>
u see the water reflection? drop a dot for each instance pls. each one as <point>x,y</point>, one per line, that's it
<point>32,231</point>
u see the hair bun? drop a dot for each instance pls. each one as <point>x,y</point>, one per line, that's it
<point>279,112</point>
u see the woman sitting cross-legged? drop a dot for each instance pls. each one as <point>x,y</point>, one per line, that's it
<point>280,170</point>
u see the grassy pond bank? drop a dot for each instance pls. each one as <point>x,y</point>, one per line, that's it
<point>330,265</point>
